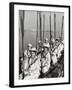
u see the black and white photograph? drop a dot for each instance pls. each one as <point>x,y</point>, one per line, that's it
<point>41,44</point>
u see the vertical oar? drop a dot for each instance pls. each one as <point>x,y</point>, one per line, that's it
<point>50,34</point>
<point>54,26</point>
<point>62,26</point>
<point>37,31</point>
<point>22,29</point>
<point>40,26</point>
<point>40,37</point>
<point>50,30</point>
<point>21,14</point>
<point>43,26</point>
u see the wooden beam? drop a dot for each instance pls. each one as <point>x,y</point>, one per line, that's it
<point>40,26</point>
<point>54,26</point>
<point>37,31</point>
<point>21,14</point>
<point>43,26</point>
<point>62,26</point>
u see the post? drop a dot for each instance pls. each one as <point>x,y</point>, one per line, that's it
<point>54,26</point>
<point>37,31</point>
<point>40,26</point>
<point>43,26</point>
<point>50,33</point>
<point>50,28</point>
<point>62,26</point>
<point>21,13</point>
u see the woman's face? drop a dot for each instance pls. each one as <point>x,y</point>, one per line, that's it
<point>33,54</point>
<point>39,55</point>
<point>46,50</point>
<point>43,53</point>
<point>56,43</point>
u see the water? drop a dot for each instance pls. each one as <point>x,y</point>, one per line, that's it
<point>30,37</point>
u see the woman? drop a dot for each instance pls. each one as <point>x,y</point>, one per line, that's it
<point>46,60</point>
<point>34,66</point>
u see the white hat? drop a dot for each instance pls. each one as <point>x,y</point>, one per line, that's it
<point>33,49</point>
<point>29,45</point>
<point>21,58</point>
<point>53,40</point>
<point>46,45</point>
<point>63,41</point>
<point>46,39</point>
<point>39,41</point>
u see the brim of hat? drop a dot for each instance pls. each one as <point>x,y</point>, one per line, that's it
<point>29,46</point>
<point>45,47</point>
<point>33,51</point>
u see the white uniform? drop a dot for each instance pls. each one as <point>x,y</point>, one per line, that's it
<point>55,55</point>
<point>47,44</point>
<point>46,63</point>
<point>27,53</point>
<point>34,70</point>
<point>60,48</point>
<point>54,58</point>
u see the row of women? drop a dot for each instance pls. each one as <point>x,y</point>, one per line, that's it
<point>37,61</point>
